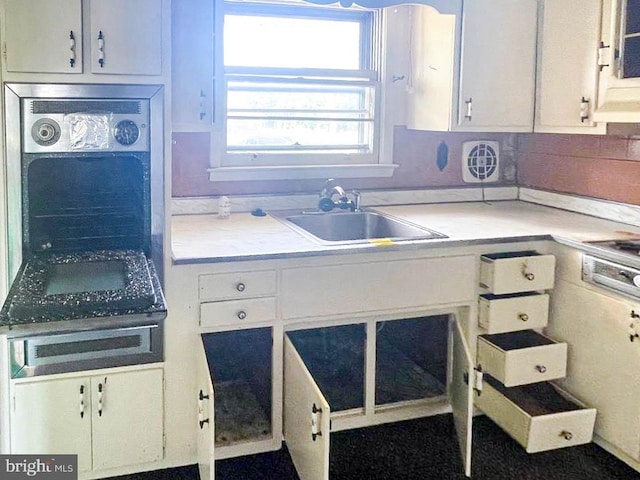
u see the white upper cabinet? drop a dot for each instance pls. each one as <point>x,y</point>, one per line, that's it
<point>192,67</point>
<point>126,36</point>
<point>567,82</point>
<point>491,87</point>
<point>117,37</point>
<point>619,56</point>
<point>43,36</point>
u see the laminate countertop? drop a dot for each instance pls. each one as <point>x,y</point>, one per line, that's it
<point>209,239</point>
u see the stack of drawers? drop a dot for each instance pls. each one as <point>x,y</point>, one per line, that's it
<point>237,299</point>
<point>517,362</point>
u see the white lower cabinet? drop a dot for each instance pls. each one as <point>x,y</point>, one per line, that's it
<point>338,377</point>
<point>604,360</point>
<point>239,367</point>
<point>110,420</point>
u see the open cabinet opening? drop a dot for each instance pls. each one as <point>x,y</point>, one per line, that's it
<point>240,364</point>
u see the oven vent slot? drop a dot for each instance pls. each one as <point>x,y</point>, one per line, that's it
<point>86,346</point>
<point>131,107</point>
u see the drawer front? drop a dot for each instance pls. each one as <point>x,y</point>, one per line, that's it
<point>517,274</point>
<point>524,365</point>
<point>229,286</point>
<point>509,314</point>
<point>540,432</point>
<point>237,312</point>
<point>377,286</point>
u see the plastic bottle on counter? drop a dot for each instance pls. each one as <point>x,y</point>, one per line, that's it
<point>224,207</point>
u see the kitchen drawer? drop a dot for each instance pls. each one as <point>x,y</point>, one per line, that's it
<point>518,358</point>
<point>538,416</point>
<point>512,272</point>
<point>516,311</point>
<point>237,312</point>
<point>229,286</point>
<point>377,286</point>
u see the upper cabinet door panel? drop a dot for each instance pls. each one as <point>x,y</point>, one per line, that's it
<point>126,37</point>
<point>567,64</point>
<point>43,36</point>
<point>497,77</point>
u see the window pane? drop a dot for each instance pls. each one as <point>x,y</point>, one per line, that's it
<point>281,42</point>
<point>306,135</point>
<point>299,116</point>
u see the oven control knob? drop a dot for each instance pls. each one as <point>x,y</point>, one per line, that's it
<point>126,132</point>
<point>45,132</point>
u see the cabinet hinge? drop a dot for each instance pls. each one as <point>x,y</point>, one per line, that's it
<point>4,52</point>
<point>477,381</point>
<point>316,415</point>
<point>584,109</point>
<point>164,444</point>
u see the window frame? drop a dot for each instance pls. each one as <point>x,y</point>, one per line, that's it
<point>231,166</point>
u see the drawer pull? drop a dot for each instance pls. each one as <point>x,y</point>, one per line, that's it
<point>566,435</point>
<point>526,274</point>
<point>241,287</point>
<point>523,316</point>
<point>242,314</point>
<point>541,368</point>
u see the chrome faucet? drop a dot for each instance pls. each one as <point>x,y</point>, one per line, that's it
<point>330,190</point>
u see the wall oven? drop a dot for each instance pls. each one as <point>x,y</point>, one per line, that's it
<point>86,220</point>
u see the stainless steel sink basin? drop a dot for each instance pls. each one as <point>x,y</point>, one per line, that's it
<point>354,227</point>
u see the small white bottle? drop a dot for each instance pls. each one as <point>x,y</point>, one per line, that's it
<point>224,207</point>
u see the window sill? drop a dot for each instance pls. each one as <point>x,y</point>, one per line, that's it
<point>288,172</point>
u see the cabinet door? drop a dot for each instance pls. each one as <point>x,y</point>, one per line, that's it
<point>192,71</point>
<point>57,46</point>
<point>567,66</point>
<point>206,426</point>
<point>52,417</point>
<point>497,67</point>
<point>603,364</point>
<point>127,418</point>
<point>306,418</point>
<point>126,36</point>
<point>461,391</point>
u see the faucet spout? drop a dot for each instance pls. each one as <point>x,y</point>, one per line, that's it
<point>329,191</point>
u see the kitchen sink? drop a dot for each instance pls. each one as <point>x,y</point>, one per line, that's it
<point>341,227</point>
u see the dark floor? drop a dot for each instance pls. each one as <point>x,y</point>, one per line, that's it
<point>422,450</point>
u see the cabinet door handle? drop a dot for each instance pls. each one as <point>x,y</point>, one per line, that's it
<point>201,419</point>
<point>316,414</point>
<point>72,49</point>
<point>100,398</point>
<point>523,316</point>
<point>541,368</point>
<point>203,108</point>
<point>242,314</point>
<point>241,287</point>
<point>101,49</point>
<point>81,401</point>
<point>469,104</point>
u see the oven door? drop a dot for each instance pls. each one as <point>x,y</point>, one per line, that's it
<point>83,350</point>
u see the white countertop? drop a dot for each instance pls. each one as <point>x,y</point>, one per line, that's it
<point>206,238</point>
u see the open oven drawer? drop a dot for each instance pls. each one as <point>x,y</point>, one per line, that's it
<point>539,416</point>
<point>519,358</point>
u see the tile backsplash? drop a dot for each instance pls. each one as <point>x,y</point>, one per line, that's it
<point>414,152</point>
<point>604,167</point>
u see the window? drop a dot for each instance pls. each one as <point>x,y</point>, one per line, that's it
<point>302,91</point>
